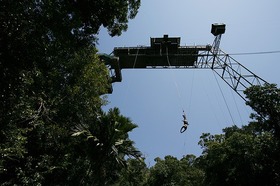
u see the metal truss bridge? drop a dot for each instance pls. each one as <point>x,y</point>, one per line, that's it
<point>166,52</point>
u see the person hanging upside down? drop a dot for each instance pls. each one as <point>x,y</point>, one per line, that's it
<point>185,123</point>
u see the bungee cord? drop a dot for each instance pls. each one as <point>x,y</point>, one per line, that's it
<point>185,121</point>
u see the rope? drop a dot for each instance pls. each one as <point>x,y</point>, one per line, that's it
<point>136,57</point>
<point>175,82</point>
<point>224,98</point>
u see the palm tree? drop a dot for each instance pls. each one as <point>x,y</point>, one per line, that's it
<point>107,145</point>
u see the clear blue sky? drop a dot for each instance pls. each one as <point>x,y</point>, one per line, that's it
<point>150,97</point>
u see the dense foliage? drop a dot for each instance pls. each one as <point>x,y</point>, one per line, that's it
<point>172,171</point>
<point>266,103</point>
<point>51,82</point>
<point>249,155</point>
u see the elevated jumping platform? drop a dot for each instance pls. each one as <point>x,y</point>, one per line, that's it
<point>162,53</point>
<point>150,57</point>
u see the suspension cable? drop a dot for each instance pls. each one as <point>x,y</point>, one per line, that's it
<point>255,53</point>
<point>224,98</point>
<point>237,107</point>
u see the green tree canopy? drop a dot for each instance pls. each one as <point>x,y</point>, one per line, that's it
<point>51,80</point>
<point>171,171</point>
<point>265,101</point>
<point>135,173</point>
<point>248,155</point>
<point>46,34</point>
<point>106,144</point>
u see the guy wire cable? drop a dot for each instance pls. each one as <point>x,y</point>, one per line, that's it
<point>224,98</point>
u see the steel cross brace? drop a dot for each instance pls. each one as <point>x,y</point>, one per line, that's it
<point>237,76</point>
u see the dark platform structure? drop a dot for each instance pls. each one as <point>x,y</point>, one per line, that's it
<point>156,55</point>
<point>164,52</point>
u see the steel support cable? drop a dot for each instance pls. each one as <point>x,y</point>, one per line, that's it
<point>224,98</point>
<point>255,53</point>
<point>212,105</point>
<point>237,108</point>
